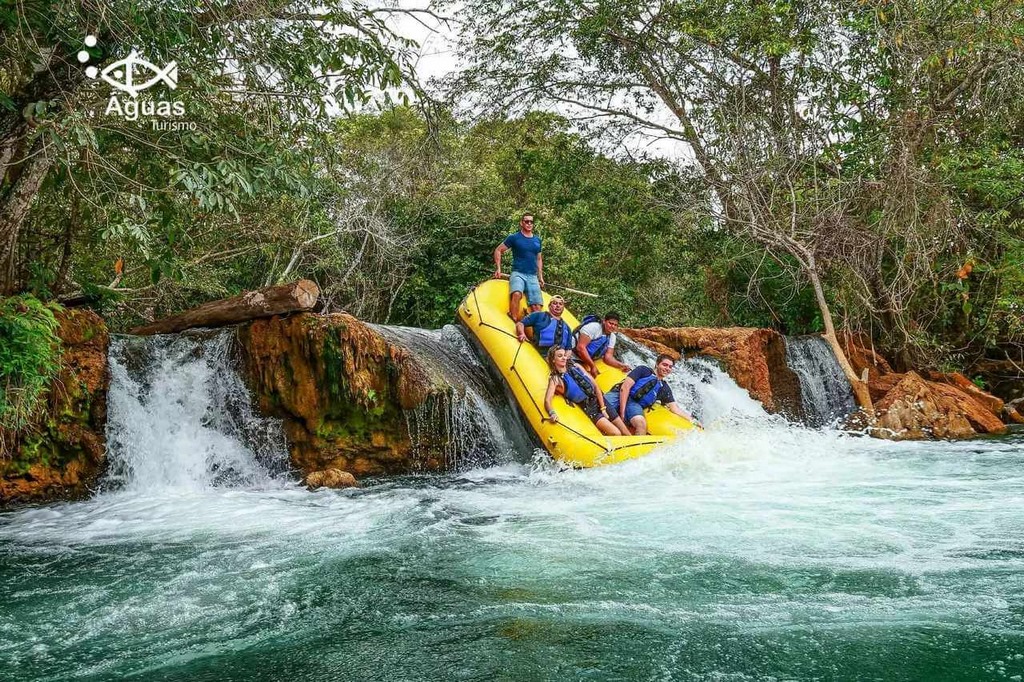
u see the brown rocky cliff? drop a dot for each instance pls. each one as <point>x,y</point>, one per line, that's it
<point>62,454</point>
<point>754,358</point>
<point>913,410</point>
<point>342,390</point>
<point>910,407</point>
<point>984,398</point>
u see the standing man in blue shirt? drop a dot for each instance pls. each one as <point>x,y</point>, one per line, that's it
<point>527,267</point>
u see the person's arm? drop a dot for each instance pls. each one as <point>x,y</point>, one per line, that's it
<point>668,400</point>
<point>674,408</point>
<point>540,269</point>
<point>610,360</point>
<point>597,391</point>
<point>627,384</point>
<point>552,416</point>
<point>527,322</point>
<point>584,355</point>
<point>502,248</point>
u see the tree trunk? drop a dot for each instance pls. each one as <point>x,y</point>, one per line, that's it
<point>860,389</point>
<point>23,167</point>
<point>266,302</point>
<point>15,202</point>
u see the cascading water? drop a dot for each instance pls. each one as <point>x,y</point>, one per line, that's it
<point>181,417</point>
<point>699,385</point>
<point>475,420</point>
<point>825,392</point>
<point>756,549</point>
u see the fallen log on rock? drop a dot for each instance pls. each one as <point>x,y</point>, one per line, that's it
<point>295,297</point>
<point>1013,411</point>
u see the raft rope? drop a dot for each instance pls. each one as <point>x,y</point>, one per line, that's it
<point>479,312</point>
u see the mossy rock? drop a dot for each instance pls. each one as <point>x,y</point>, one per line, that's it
<point>342,389</point>
<point>62,452</point>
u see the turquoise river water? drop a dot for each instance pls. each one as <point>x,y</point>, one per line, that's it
<point>755,551</point>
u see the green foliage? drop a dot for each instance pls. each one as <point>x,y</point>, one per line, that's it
<point>460,191</point>
<point>873,145</point>
<point>29,358</point>
<point>884,138</point>
<point>260,83</point>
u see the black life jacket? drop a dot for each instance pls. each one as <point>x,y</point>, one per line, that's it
<point>577,386</point>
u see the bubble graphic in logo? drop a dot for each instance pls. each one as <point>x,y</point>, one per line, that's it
<point>83,56</point>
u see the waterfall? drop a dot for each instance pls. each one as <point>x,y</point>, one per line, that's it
<point>826,394</point>
<point>181,417</point>
<point>699,385</point>
<point>475,420</point>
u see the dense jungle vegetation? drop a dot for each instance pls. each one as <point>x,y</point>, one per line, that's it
<point>858,159</point>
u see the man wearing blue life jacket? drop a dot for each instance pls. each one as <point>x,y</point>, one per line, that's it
<point>595,340</point>
<point>527,267</point>
<point>546,329</point>
<point>638,392</point>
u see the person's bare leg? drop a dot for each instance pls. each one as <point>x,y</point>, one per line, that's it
<point>536,307</point>
<point>639,426</point>
<point>607,428</point>
<point>514,304</point>
<point>621,426</point>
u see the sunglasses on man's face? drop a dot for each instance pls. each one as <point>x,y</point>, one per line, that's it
<point>528,221</point>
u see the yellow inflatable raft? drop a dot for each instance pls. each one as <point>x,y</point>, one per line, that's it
<point>574,439</point>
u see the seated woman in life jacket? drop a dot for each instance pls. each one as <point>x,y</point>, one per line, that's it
<point>575,385</point>
<point>638,392</point>
<point>595,340</point>
<point>546,329</point>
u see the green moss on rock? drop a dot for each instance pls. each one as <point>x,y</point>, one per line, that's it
<point>61,453</point>
<point>341,388</point>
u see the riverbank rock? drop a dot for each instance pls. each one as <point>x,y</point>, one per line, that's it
<point>880,386</point>
<point>343,392</point>
<point>984,398</point>
<point>913,408</point>
<point>330,478</point>
<point>754,358</point>
<point>62,454</point>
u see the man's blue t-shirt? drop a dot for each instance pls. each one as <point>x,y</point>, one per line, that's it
<point>524,252</point>
<point>664,395</point>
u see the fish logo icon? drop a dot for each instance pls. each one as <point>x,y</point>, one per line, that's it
<point>127,73</point>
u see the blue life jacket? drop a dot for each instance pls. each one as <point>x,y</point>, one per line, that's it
<point>555,333</point>
<point>645,391</point>
<point>596,347</point>
<point>587,319</point>
<point>577,388</point>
